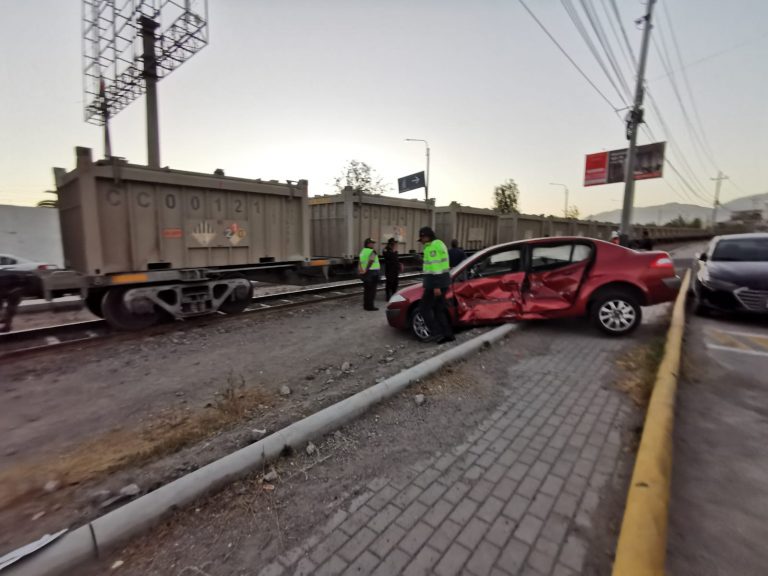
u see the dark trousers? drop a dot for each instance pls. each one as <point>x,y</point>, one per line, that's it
<point>9,303</point>
<point>393,280</point>
<point>434,309</point>
<point>370,282</point>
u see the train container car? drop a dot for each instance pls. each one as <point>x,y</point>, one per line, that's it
<point>521,227</point>
<point>155,242</point>
<point>340,222</point>
<point>474,228</point>
<point>583,228</point>
<point>561,227</point>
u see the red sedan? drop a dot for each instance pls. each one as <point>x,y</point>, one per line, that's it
<point>562,277</point>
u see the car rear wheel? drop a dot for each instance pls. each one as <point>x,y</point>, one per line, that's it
<point>616,313</point>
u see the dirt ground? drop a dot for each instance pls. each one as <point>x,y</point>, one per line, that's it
<point>101,417</point>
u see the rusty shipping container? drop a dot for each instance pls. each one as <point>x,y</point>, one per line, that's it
<point>474,228</point>
<point>118,217</point>
<point>340,222</point>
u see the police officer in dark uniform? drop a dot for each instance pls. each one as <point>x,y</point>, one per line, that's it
<point>392,267</point>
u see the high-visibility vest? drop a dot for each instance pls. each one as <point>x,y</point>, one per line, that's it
<point>436,257</point>
<point>365,256</point>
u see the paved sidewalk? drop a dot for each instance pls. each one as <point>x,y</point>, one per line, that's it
<point>518,497</point>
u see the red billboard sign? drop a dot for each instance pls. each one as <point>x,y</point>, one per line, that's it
<point>609,167</point>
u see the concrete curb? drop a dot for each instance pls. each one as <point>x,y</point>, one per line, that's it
<point>106,532</point>
<point>642,546</point>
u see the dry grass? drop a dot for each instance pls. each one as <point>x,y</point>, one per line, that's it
<point>452,379</point>
<point>639,367</point>
<point>166,434</point>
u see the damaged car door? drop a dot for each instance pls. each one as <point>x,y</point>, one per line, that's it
<point>489,290</point>
<point>555,275</point>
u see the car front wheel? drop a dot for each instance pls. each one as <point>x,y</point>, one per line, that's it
<point>419,326</point>
<point>616,313</point>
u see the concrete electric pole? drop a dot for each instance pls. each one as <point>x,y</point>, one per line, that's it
<point>633,123</point>
<point>719,180</point>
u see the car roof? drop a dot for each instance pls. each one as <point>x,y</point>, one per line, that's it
<point>20,258</point>
<point>745,236</point>
<point>547,240</point>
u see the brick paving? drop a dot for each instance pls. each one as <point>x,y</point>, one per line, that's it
<point>517,497</point>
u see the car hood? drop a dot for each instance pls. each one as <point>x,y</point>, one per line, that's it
<point>412,293</point>
<point>750,274</point>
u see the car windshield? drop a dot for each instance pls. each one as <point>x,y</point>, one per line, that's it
<point>741,250</point>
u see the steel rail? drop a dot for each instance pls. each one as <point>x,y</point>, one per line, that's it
<point>21,342</point>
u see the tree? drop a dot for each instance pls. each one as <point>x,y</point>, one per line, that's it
<point>573,212</point>
<point>48,204</point>
<point>360,176</point>
<point>505,197</point>
<point>680,222</point>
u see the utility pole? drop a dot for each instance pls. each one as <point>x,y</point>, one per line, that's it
<point>719,180</point>
<point>633,123</point>
<point>148,27</point>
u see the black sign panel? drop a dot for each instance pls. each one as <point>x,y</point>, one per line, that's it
<point>412,182</point>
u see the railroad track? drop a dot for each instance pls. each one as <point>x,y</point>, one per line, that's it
<point>22,342</point>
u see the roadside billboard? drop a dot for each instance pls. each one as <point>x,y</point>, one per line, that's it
<point>609,167</point>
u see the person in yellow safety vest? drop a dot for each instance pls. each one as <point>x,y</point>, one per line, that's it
<point>437,280</point>
<point>369,269</point>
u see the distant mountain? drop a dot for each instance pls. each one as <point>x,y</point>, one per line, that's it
<point>756,202</point>
<point>663,213</point>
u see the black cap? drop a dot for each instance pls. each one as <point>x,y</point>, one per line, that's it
<point>369,241</point>
<point>391,241</point>
<point>426,231</point>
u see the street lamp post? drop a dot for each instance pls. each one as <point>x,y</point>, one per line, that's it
<point>565,213</point>
<point>426,174</point>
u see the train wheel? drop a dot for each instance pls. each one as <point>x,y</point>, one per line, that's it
<point>93,303</point>
<point>118,314</point>
<point>239,299</point>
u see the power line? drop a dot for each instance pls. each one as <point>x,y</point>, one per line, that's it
<point>673,144</point>
<point>624,33</point>
<point>706,148</point>
<point>574,16</point>
<point>666,63</point>
<point>718,53</point>
<point>597,26</point>
<point>614,29</point>
<point>604,97</point>
<point>655,106</point>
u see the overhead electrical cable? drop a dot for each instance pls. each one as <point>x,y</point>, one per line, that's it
<point>575,18</point>
<point>624,33</point>
<point>666,63</point>
<point>597,27</point>
<point>707,148</point>
<point>571,60</point>
<point>614,29</point>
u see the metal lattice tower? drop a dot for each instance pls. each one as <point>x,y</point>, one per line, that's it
<point>113,51</point>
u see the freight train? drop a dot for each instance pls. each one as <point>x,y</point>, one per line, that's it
<point>153,243</point>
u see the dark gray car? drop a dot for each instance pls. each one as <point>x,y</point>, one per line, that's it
<point>732,275</point>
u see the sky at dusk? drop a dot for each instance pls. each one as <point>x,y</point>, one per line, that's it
<point>294,89</point>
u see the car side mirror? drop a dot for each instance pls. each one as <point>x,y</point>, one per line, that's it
<point>703,257</point>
